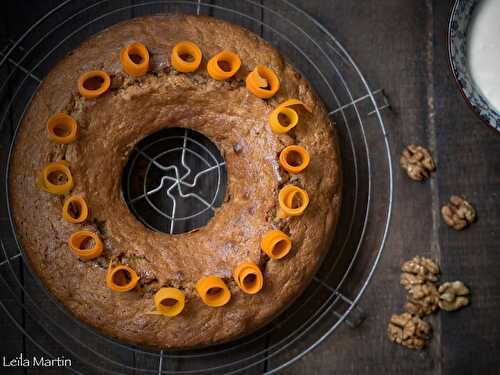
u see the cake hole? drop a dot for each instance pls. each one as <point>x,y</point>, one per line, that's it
<point>75,209</point>
<point>61,130</point>
<point>214,292</point>
<point>148,177</point>
<point>250,280</point>
<point>284,119</point>
<point>93,83</point>
<point>87,243</point>
<point>136,58</point>
<point>294,159</point>
<point>122,277</point>
<point>169,302</point>
<point>187,57</point>
<point>280,248</point>
<point>57,178</point>
<point>224,65</point>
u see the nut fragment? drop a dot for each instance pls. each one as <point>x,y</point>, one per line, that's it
<point>423,299</point>
<point>237,148</point>
<point>453,295</point>
<point>418,271</point>
<point>417,161</point>
<point>458,213</point>
<point>408,330</point>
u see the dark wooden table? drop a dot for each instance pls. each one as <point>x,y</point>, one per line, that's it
<point>401,46</point>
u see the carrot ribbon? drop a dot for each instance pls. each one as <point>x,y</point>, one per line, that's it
<point>292,200</point>
<point>135,59</point>
<point>93,83</point>
<point>168,302</point>
<point>79,238</point>
<point>121,278</point>
<point>224,58</point>
<point>213,291</point>
<point>75,209</point>
<point>263,82</point>
<point>283,118</point>
<point>276,244</point>
<point>248,277</point>
<point>294,159</point>
<point>186,57</point>
<point>58,171</point>
<point>62,128</point>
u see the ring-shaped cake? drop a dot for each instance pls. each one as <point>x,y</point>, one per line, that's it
<point>251,260</point>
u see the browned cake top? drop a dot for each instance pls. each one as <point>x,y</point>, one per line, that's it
<point>112,124</point>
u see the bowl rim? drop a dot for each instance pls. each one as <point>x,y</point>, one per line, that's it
<point>453,69</point>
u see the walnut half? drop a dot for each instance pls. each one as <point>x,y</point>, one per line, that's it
<point>408,330</point>
<point>453,295</point>
<point>418,271</point>
<point>422,299</point>
<point>417,162</point>
<point>458,213</point>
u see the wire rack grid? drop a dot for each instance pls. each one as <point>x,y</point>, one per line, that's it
<point>332,298</point>
<point>163,202</point>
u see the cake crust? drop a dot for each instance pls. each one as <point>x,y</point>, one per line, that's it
<point>111,125</point>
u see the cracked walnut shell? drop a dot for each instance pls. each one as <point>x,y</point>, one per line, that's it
<point>417,162</point>
<point>408,330</point>
<point>423,299</point>
<point>453,295</point>
<point>458,213</point>
<point>418,271</point>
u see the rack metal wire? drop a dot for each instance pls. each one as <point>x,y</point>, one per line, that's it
<point>332,297</point>
<point>163,202</point>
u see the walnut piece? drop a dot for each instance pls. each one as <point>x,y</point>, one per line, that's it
<point>453,295</point>
<point>417,162</point>
<point>458,213</point>
<point>418,271</point>
<point>423,299</point>
<point>408,330</point>
<point>237,148</point>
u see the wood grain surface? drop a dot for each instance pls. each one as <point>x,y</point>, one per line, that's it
<point>400,45</point>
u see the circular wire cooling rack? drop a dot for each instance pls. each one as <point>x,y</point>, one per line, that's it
<point>49,330</point>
